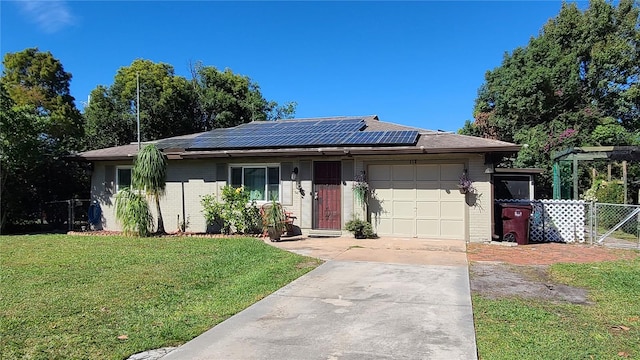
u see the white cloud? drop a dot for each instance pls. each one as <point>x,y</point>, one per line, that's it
<point>50,16</point>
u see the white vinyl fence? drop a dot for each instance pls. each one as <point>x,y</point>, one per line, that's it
<point>554,220</point>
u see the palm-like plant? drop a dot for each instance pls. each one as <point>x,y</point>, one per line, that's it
<point>132,211</point>
<point>149,174</point>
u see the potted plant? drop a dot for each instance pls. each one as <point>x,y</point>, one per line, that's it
<point>466,185</point>
<point>361,229</point>
<point>360,188</point>
<point>273,220</point>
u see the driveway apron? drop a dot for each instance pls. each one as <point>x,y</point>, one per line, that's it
<point>374,299</point>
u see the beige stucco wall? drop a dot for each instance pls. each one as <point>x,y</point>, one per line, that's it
<point>188,180</point>
<point>103,191</point>
<point>191,179</point>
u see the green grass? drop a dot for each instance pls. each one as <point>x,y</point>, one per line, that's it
<point>538,329</point>
<point>619,234</point>
<point>65,297</point>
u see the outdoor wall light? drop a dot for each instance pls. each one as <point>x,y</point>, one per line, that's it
<point>490,169</point>
<point>294,174</point>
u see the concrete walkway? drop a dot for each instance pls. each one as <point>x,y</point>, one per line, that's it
<point>372,299</point>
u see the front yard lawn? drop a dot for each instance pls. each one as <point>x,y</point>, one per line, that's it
<point>606,328</point>
<point>77,297</point>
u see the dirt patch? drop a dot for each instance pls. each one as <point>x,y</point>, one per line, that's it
<point>546,254</point>
<point>497,280</point>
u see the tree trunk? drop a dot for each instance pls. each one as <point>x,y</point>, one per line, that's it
<point>160,221</point>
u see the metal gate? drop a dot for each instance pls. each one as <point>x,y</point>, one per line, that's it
<point>616,224</point>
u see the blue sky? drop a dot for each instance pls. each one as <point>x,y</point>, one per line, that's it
<point>412,63</point>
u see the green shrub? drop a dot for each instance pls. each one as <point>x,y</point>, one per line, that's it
<point>610,192</point>
<point>235,214</point>
<point>361,229</point>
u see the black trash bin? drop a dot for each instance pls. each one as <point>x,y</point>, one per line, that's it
<point>515,222</point>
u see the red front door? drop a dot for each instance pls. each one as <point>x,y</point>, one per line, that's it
<point>326,195</point>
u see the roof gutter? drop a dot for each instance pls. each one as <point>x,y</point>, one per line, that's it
<point>178,154</point>
<point>337,151</point>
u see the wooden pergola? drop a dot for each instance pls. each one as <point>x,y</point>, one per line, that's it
<point>590,153</point>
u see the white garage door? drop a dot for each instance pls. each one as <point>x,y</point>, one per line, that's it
<point>420,200</point>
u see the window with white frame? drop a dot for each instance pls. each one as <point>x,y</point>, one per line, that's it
<point>261,181</point>
<point>123,177</point>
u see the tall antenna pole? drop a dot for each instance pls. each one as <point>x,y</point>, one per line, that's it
<point>138,106</point>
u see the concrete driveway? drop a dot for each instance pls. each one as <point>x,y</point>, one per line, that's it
<point>372,299</point>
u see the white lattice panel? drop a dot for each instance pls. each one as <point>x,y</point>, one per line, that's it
<point>555,220</point>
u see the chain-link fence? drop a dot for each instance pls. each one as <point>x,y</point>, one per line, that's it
<point>615,224</point>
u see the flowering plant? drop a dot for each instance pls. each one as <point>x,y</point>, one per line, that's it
<point>555,141</point>
<point>237,213</point>
<point>360,188</point>
<point>466,185</point>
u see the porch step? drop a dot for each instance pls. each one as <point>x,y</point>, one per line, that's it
<point>325,233</point>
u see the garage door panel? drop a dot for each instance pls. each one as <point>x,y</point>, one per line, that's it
<point>404,194</point>
<point>427,185</point>
<point>428,210</point>
<point>403,209</point>
<point>450,185</point>
<point>451,210</point>
<point>403,172</point>
<point>380,184</point>
<point>381,192</point>
<point>448,194</point>
<point>428,195</point>
<point>453,229</point>
<point>450,191</point>
<point>428,228</point>
<point>380,172</point>
<point>428,172</point>
<point>403,227</point>
<point>384,226</point>
<point>404,185</point>
<point>380,208</point>
<point>451,172</point>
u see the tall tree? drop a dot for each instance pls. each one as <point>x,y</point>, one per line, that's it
<point>149,174</point>
<point>171,105</point>
<point>19,146</point>
<point>109,122</point>
<point>575,84</point>
<point>38,80</point>
<point>166,106</point>
<point>225,99</point>
<point>40,125</point>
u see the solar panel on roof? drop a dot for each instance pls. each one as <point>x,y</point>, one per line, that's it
<point>293,133</point>
<point>382,137</point>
